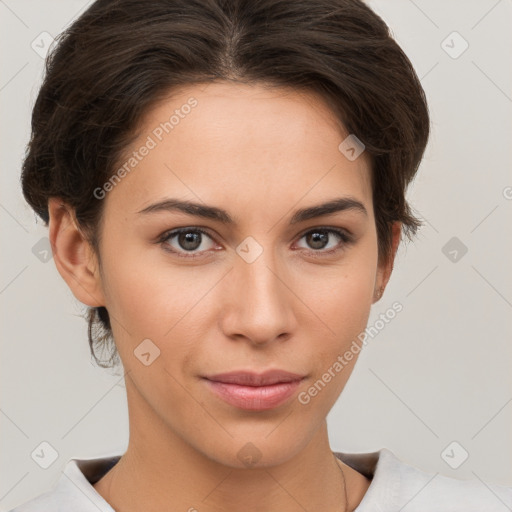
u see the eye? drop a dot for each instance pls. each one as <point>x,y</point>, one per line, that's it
<point>191,242</point>
<point>187,240</point>
<point>321,240</point>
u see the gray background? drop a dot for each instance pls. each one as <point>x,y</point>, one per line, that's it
<point>438,373</point>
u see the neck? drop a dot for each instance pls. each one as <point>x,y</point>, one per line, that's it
<point>159,468</point>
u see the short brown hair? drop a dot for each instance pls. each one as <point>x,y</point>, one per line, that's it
<point>122,56</point>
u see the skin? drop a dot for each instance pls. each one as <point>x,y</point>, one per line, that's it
<point>260,154</point>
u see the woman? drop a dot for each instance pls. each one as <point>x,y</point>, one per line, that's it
<point>224,183</point>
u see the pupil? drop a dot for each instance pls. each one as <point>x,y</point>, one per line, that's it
<point>190,240</point>
<point>319,239</point>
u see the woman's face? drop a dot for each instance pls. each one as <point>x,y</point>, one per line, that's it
<point>251,284</point>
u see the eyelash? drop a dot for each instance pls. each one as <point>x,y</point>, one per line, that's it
<point>346,239</point>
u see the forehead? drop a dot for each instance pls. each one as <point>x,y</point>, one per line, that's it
<point>229,141</point>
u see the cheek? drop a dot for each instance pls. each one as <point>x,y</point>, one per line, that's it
<point>345,310</point>
<point>342,300</point>
<point>342,297</point>
<point>150,297</point>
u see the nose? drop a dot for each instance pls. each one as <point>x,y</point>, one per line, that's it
<point>259,305</point>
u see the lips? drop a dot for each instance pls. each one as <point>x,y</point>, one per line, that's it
<point>252,391</point>
<point>254,379</point>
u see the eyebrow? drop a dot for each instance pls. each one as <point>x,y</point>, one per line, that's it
<point>218,214</point>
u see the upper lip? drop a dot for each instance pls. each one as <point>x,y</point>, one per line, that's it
<point>248,378</point>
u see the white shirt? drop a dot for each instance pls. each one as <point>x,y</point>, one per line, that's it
<point>395,487</point>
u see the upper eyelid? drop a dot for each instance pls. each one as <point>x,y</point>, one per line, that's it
<point>326,228</point>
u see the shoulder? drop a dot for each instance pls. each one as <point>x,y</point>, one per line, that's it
<point>397,485</point>
<point>423,491</point>
<point>73,490</point>
<point>50,501</point>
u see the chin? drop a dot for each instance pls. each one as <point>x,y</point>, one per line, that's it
<point>255,451</point>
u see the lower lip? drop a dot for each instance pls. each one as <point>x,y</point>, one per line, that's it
<point>254,398</point>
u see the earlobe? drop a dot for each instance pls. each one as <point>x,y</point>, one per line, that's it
<point>385,269</point>
<point>73,255</point>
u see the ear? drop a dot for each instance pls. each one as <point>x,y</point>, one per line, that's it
<point>386,267</point>
<point>73,255</point>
